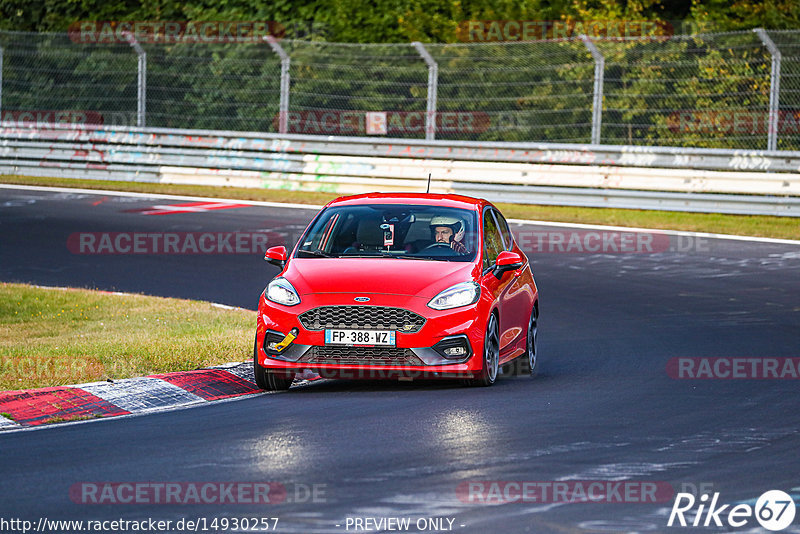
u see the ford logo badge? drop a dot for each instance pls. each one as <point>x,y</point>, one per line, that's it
<point>361,299</point>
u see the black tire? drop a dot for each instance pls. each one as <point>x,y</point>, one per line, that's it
<point>279,381</point>
<point>259,372</point>
<point>525,364</point>
<point>528,364</point>
<point>269,380</point>
<point>491,355</point>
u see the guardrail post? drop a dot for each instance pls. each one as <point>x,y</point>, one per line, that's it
<point>774,88</point>
<point>433,87</point>
<point>141,85</point>
<point>597,100</point>
<point>283,112</point>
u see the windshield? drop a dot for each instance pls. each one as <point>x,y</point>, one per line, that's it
<point>392,231</point>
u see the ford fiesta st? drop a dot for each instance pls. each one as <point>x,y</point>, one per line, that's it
<point>399,286</point>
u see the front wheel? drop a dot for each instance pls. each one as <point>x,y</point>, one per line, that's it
<point>491,355</point>
<point>269,380</point>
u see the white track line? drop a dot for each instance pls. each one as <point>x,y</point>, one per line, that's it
<point>7,423</point>
<point>159,195</point>
<point>122,294</point>
<point>657,231</point>
<point>317,207</point>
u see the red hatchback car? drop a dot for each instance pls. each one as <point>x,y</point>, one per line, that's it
<point>399,286</point>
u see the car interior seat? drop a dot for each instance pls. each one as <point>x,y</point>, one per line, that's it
<point>369,236</point>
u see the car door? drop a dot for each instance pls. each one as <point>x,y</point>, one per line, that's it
<point>493,245</point>
<point>517,299</point>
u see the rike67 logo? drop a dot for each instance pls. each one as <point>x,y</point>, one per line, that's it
<point>774,510</point>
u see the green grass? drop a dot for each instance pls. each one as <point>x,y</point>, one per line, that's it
<point>752,225</point>
<point>51,337</point>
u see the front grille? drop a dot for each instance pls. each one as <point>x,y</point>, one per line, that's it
<point>361,356</point>
<point>362,318</point>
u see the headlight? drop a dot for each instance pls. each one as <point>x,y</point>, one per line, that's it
<point>462,294</point>
<point>282,292</point>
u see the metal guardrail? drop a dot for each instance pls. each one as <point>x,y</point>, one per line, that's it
<point>715,180</point>
<point>622,155</point>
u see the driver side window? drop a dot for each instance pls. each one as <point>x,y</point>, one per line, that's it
<point>492,240</point>
<point>508,238</point>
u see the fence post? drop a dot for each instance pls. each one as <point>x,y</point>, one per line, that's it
<point>283,112</point>
<point>433,87</point>
<point>1,80</point>
<point>774,88</point>
<point>597,100</point>
<point>141,86</point>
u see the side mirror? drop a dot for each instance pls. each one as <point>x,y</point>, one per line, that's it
<point>276,256</point>
<point>507,261</point>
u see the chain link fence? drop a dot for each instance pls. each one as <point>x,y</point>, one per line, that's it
<point>736,90</point>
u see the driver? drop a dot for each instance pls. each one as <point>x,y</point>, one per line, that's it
<point>450,231</point>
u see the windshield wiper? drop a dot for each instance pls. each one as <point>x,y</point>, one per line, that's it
<point>406,256</point>
<point>424,258</point>
<point>378,255</point>
<point>317,253</point>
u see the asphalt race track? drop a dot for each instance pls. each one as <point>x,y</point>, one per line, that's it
<point>603,407</point>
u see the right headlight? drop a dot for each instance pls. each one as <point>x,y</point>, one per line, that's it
<point>282,292</point>
<point>462,294</point>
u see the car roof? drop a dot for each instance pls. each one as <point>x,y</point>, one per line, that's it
<point>431,199</point>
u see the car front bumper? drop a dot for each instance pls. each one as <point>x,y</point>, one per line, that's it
<point>415,354</point>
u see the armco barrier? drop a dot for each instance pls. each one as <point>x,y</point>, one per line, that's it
<point>726,181</point>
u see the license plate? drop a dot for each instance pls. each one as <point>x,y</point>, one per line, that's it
<point>359,337</point>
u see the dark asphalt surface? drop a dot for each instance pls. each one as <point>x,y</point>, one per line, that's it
<point>602,408</point>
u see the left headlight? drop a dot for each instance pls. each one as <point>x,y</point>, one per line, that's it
<point>282,292</point>
<point>462,294</point>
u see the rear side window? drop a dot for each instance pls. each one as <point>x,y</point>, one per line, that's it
<point>492,240</point>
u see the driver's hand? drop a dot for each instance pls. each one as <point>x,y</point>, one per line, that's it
<point>460,235</point>
<point>458,246</point>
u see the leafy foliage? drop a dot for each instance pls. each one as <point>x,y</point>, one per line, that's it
<point>380,21</point>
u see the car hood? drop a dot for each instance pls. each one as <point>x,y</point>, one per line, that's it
<point>372,276</point>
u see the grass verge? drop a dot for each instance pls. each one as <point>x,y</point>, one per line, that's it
<point>752,225</point>
<point>51,337</point>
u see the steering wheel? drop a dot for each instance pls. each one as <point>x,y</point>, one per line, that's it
<point>437,244</point>
<point>440,250</point>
